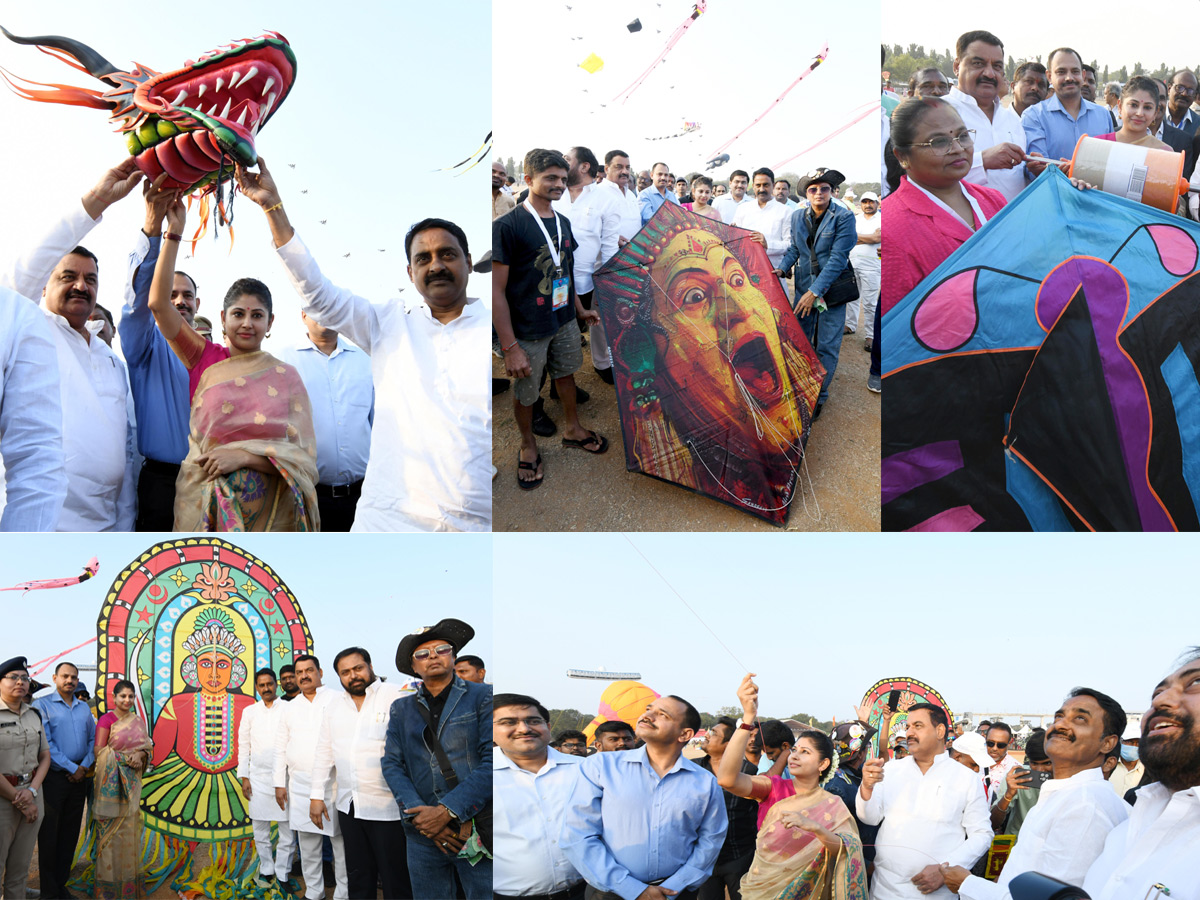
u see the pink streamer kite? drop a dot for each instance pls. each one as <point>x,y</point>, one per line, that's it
<point>697,12</point>
<point>89,570</point>
<point>874,107</point>
<point>42,664</point>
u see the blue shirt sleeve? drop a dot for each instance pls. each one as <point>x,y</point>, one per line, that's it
<point>582,836</point>
<point>647,207</point>
<point>1035,134</point>
<point>57,756</point>
<point>698,867</point>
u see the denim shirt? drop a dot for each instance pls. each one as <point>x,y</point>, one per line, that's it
<point>410,765</point>
<point>835,238</point>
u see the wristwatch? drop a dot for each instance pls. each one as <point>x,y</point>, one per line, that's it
<point>743,726</point>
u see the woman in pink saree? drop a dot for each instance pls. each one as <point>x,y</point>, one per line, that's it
<point>808,845</point>
<point>122,751</point>
<point>252,457</point>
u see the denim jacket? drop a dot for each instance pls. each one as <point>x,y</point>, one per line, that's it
<point>835,238</point>
<point>410,765</point>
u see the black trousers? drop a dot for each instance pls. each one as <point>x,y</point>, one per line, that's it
<point>59,833</point>
<point>591,893</point>
<point>375,851</point>
<point>726,876</point>
<point>337,505</point>
<point>156,496</point>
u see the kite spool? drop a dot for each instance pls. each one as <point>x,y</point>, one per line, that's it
<point>1141,174</point>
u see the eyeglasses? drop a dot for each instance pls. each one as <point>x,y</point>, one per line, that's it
<point>942,143</point>
<point>19,679</point>
<point>1000,745</point>
<point>440,650</point>
<point>1186,91</point>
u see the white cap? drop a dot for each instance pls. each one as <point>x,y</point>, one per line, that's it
<point>974,746</point>
<point>1133,732</point>
<point>869,195</point>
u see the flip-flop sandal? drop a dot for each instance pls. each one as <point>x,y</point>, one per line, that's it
<point>530,467</point>
<point>592,438</point>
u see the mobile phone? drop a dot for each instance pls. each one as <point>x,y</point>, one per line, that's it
<point>893,700</point>
<point>1036,780</point>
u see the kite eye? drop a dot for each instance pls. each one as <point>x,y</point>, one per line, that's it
<point>694,296</point>
<point>737,280</point>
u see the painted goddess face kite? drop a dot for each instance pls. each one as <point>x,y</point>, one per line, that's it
<point>193,122</point>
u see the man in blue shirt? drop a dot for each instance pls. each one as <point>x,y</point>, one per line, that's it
<point>157,378</point>
<point>71,733</point>
<point>1054,126</point>
<point>337,376</point>
<point>658,193</point>
<point>646,824</point>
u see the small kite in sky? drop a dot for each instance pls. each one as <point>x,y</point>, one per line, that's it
<point>635,25</point>
<point>477,154</point>
<point>592,64</point>
<point>89,570</point>
<point>676,35</point>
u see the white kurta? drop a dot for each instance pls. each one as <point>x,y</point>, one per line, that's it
<point>256,757</point>
<point>1004,127</point>
<point>726,206</point>
<point>940,816</point>
<point>630,209</point>
<point>1062,835</point>
<point>595,218</point>
<point>296,737</point>
<point>774,221</point>
<point>351,742</point>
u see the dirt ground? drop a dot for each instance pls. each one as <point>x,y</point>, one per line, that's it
<point>583,492</point>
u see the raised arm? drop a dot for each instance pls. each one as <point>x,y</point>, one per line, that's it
<point>170,321</point>
<point>730,775</point>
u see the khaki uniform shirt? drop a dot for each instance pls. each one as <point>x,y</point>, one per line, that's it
<point>22,738</point>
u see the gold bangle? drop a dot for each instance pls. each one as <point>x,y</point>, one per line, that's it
<point>275,207</point>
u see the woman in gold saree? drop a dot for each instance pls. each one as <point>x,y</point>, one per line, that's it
<point>808,846</point>
<point>122,751</point>
<point>252,458</point>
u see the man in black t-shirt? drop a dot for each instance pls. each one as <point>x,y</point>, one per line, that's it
<point>536,312</point>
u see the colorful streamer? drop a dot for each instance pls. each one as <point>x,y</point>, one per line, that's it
<point>676,36</point>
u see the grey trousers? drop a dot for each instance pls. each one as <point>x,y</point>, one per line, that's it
<point>18,839</point>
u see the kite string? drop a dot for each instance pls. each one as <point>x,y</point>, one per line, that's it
<point>873,106</point>
<point>684,602</point>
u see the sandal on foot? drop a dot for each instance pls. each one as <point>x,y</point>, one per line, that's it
<point>599,440</point>
<point>529,467</point>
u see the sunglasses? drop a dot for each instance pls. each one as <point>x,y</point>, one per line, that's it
<point>439,650</point>
<point>1000,745</point>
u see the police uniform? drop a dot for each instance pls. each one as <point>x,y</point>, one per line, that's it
<point>22,741</point>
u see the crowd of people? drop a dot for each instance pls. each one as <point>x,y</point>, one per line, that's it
<point>395,779</point>
<point>377,421</point>
<point>769,812</point>
<point>573,214</point>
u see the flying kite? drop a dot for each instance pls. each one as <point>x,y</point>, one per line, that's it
<point>1049,385</point>
<point>622,701</point>
<point>92,567</point>
<point>676,35</point>
<point>910,692</point>
<point>817,60</point>
<point>715,381</point>
<point>476,155</point>
<point>592,64</point>
<point>603,675</point>
<point>686,128</point>
<point>635,25</point>
<point>716,162</point>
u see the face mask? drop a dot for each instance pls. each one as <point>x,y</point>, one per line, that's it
<point>1129,753</point>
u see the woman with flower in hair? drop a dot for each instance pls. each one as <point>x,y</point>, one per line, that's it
<point>122,752</point>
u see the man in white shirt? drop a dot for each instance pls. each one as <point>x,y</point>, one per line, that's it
<point>296,738</point>
<point>1065,831</point>
<point>256,769</point>
<point>431,442</point>
<point>337,376</point>
<point>1000,143</point>
<point>595,216</point>
<point>726,205</point>
<point>931,808</point>
<point>98,440</point>
<point>1153,853</point>
<point>530,785</point>
<point>353,732</point>
<point>1129,771</point>
<point>864,256</point>
<point>31,440</point>
<point>771,221</point>
<point>783,193</point>
<point>617,176</point>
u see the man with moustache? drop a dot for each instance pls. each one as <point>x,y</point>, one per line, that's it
<point>502,200</point>
<point>644,180</point>
<point>1153,853</point>
<point>349,749</point>
<point>659,192</point>
<point>726,204</point>
<point>646,824</point>
<point>1054,126</point>
<point>1181,93</point>
<point>999,138</point>
<point>256,769</point>
<point>783,193</point>
<point>865,257</point>
<point>617,176</point>
<point>437,761</point>
<point>737,852</point>
<point>770,221</point>
<point>1029,87</point>
<point>530,783</point>
<point>470,668</point>
<point>612,736</point>
<point>1065,831</point>
<point>296,738</point>
<point>929,82</point>
<point>930,807</point>
<point>287,680</point>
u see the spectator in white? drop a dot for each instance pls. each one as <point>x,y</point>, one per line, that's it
<point>727,204</point>
<point>296,740</point>
<point>1065,832</point>
<point>256,769</point>
<point>595,215</point>
<point>1112,99</point>
<point>31,438</point>
<point>783,193</point>
<point>350,749</point>
<point>770,221</point>
<point>530,785</point>
<point>618,174</point>
<point>1130,770</point>
<point>1153,853</point>
<point>1181,92</point>
<point>502,199</point>
<point>431,442</point>
<point>931,809</point>
<point>970,749</point>
<point>999,739</point>
<point>1029,86</point>
<point>999,153</point>
<point>98,444</point>
<point>928,82</point>
<point>337,376</point>
<point>864,256</point>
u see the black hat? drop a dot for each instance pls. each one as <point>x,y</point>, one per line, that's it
<point>831,177</point>
<point>12,665</point>
<point>455,632</point>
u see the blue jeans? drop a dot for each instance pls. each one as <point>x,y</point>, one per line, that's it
<point>824,332</point>
<point>432,872</point>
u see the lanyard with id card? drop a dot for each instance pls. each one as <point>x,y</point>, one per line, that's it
<point>561,285</point>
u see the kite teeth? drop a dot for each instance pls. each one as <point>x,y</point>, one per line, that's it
<point>203,88</point>
<point>249,75</point>
<point>228,103</point>
<point>267,87</point>
<point>241,120</point>
<point>178,100</point>
<point>234,79</point>
<point>220,83</point>
<point>213,111</point>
